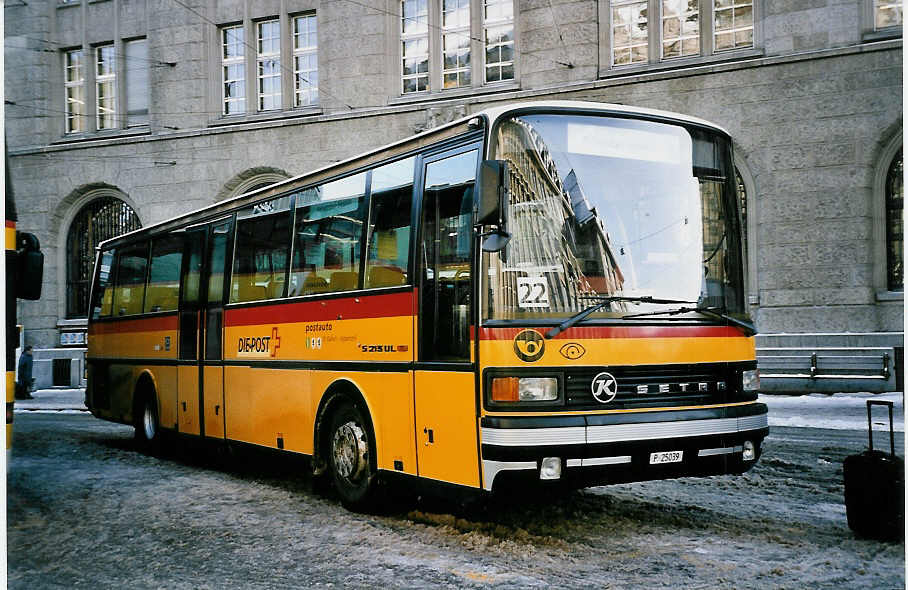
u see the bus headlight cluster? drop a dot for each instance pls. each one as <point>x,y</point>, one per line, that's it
<point>524,389</point>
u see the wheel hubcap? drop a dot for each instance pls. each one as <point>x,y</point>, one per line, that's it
<point>350,451</point>
<point>148,422</point>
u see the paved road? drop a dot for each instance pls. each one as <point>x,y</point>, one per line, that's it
<point>86,509</point>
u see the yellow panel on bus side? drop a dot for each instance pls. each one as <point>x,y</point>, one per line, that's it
<point>188,399</point>
<point>213,401</point>
<point>264,406</point>
<point>390,400</point>
<point>446,427</point>
<point>165,380</point>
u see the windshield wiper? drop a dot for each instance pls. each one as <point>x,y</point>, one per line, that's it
<point>710,311</point>
<point>600,303</point>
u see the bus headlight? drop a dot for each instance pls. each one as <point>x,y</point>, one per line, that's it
<point>524,389</point>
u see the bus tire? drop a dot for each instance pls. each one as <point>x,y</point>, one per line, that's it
<point>351,457</point>
<point>146,422</point>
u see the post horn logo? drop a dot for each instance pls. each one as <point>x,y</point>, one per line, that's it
<point>529,345</point>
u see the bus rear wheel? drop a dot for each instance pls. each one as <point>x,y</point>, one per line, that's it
<point>351,457</point>
<point>148,428</point>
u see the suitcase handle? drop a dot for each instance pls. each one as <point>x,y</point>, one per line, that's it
<point>887,403</point>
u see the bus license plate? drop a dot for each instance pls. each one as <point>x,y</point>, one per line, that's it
<point>665,457</point>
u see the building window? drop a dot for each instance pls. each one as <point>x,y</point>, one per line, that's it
<point>268,59</point>
<point>74,83</point>
<point>647,31</point>
<point>414,41</point>
<point>455,41</point>
<point>305,60</point>
<point>137,67</point>
<point>106,87</point>
<point>233,64</point>
<point>680,28</point>
<point>895,206</point>
<point>734,24</point>
<point>439,43</point>
<point>630,38</point>
<point>498,29</point>
<point>887,13</point>
<point>99,220</point>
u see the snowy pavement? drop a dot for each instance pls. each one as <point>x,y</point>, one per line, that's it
<point>53,400</point>
<point>838,411</point>
<point>86,509</point>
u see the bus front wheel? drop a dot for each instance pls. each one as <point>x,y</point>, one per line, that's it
<point>351,457</point>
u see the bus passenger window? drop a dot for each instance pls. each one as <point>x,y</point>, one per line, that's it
<point>329,226</point>
<point>262,245</point>
<point>163,290</point>
<point>130,290</point>
<point>388,241</point>
<point>103,304</point>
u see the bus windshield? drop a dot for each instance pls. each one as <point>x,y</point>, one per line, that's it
<point>613,207</point>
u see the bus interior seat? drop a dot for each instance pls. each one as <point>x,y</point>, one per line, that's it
<point>251,291</point>
<point>275,288</point>
<point>386,276</point>
<point>344,280</point>
<point>314,284</point>
<point>161,297</point>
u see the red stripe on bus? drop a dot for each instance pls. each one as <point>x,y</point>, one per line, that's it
<point>154,324</point>
<point>594,332</point>
<point>323,310</point>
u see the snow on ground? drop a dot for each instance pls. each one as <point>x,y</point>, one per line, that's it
<point>838,411</point>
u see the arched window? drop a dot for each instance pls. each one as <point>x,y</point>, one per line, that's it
<point>895,193</point>
<point>99,220</point>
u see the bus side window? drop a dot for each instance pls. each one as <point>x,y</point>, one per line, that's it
<point>163,290</point>
<point>130,290</point>
<point>103,294</point>
<point>388,241</point>
<point>329,226</point>
<point>261,253</point>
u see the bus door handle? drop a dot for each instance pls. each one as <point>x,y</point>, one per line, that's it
<point>430,436</point>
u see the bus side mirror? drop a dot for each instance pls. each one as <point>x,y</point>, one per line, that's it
<point>493,201</point>
<point>30,266</point>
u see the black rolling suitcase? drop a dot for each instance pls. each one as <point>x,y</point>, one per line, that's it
<point>875,488</point>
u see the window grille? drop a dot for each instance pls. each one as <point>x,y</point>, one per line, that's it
<point>99,220</point>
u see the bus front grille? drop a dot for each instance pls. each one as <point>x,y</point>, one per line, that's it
<point>652,386</point>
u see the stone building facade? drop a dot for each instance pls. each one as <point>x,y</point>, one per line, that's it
<point>164,106</point>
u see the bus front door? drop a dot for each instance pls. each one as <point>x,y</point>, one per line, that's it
<point>444,382</point>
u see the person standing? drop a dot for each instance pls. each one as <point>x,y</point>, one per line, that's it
<point>24,379</point>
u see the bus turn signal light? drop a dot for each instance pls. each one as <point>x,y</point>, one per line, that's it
<point>524,389</point>
<point>504,389</point>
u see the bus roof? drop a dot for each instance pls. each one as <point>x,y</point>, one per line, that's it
<point>491,115</point>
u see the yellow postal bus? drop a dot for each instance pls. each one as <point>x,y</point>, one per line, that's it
<point>546,291</point>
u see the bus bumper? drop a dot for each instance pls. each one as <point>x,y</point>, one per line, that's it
<point>618,448</point>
